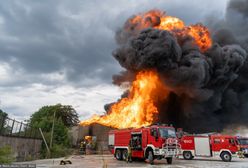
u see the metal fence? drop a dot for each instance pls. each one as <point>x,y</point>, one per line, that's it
<point>10,127</point>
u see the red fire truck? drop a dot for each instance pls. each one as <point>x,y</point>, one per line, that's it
<point>154,142</point>
<point>213,145</point>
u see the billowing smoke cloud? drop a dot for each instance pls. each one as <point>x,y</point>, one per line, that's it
<point>152,48</point>
<point>209,89</point>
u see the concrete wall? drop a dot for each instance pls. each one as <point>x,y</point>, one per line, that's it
<point>23,148</point>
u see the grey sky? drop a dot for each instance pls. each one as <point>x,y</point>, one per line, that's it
<point>59,51</point>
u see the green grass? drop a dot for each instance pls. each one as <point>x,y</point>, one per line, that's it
<point>6,156</point>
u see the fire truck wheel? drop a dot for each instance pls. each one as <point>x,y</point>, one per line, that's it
<point>225,156</point>
<point>124,155</point>
<point>118,154</point>
<point>169,160</point>
<point>187,155</point>
<point>246,155</point>
<point>150,157</point>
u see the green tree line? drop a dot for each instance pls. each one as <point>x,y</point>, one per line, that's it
<point>63,116</point>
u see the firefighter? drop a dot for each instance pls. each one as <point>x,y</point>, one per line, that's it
<point>129,152</point>
<point>240,153</point>
<point>138,143</point>
<point>82,149</point>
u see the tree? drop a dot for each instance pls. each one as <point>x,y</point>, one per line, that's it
<point>66,113</point>
<point>3,117</point>
<point>65,117</point>
<point>3,114</point>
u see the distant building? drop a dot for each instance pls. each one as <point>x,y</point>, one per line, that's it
<point>97,131</point>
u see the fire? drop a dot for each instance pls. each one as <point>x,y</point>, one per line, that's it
<point>159,20</point>
<point>201,35</point>
<point>138,109</point>
<point>170,23</point>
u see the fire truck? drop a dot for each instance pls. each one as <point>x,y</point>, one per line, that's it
<point>153,142</point>
<point>212,145</point>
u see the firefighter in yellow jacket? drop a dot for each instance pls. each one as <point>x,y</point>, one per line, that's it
<point>129,152</point>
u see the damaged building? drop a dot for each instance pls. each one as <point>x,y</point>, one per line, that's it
<point>96,134</point>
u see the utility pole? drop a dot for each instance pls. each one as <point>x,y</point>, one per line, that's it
<point>48,150</point>
<point>51,140</point>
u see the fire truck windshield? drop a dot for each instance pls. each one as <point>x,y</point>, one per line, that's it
<point>167,132</point>
<point>243,141</point>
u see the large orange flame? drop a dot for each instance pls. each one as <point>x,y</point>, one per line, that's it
<point>138,109</point>
<point>159,20</point>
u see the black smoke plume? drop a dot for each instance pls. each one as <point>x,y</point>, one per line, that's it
<point>209,90</point>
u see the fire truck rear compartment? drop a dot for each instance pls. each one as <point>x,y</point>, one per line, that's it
<point>202,146</point>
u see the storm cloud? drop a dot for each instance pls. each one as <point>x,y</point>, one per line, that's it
<point>64,43</point>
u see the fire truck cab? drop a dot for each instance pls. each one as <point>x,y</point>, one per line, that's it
<point>154,142</point>
<point>215,145</point>
<point>243,144</point>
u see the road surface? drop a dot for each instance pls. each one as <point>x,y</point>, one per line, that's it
<point>108,161</point>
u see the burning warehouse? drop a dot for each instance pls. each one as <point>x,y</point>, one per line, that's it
<point>180,74</point>
<point>95,135</point>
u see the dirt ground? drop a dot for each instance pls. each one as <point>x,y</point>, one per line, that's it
<point>108,161</point>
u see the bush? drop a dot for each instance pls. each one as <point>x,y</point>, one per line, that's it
<point>29,158</point>
<point>6,156</point>
<point>60,151</point>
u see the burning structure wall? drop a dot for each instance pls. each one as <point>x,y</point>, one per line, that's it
<point>95,130</point>
<point>194,80</point>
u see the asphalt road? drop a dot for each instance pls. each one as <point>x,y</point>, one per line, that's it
<point>108,161</point>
